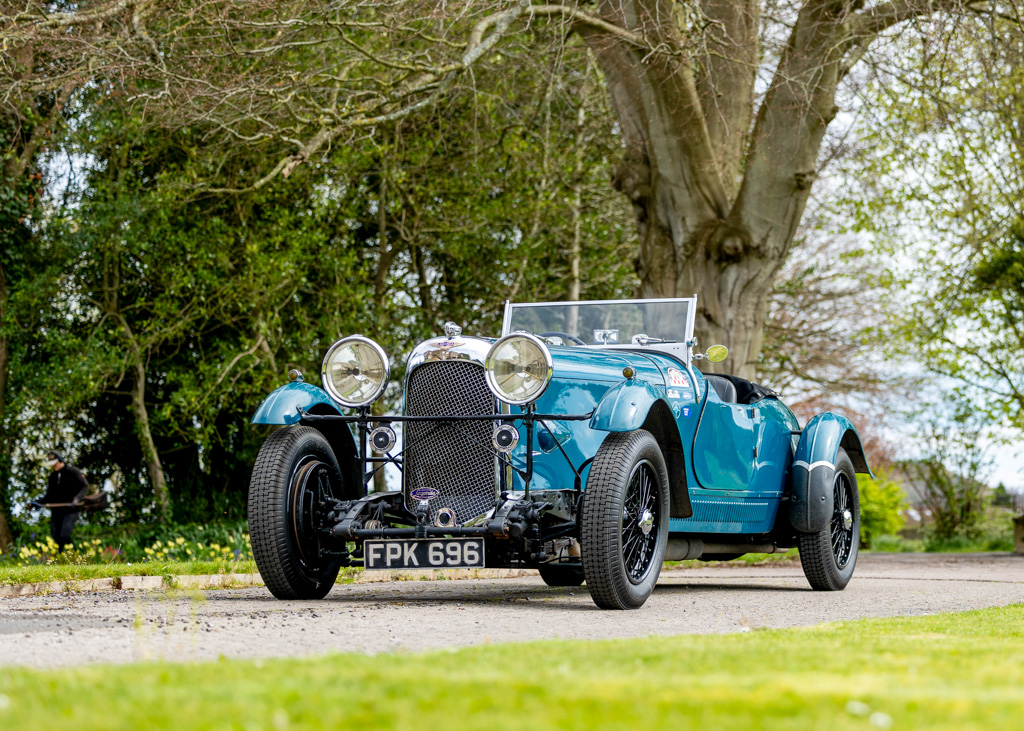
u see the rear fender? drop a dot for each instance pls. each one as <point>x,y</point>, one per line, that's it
<point>814,467</point>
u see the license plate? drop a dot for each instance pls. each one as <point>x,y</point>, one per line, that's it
<point>447,553</point>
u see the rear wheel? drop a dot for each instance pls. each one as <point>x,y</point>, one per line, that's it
<point>829,556</point>
<point>295,471</point>
<point>624,526</point>
<point>561,574</point>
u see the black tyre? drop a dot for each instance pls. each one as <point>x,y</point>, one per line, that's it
<point>624,526</point>
<point>829,556</point>
<point>561,574</point>
<point>296,468</point>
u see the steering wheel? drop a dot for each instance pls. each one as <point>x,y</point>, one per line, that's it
<point>560,334</point>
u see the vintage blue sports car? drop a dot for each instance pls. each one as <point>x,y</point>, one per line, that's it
<point>582,443</point>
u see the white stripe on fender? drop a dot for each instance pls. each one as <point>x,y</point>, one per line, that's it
<point>809,467</point>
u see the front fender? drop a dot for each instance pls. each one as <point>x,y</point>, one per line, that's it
<point>624,406</point>
<point>283,404</point>
<point>814,467</point>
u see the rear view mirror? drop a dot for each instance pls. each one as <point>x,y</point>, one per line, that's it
<point>717,353</point>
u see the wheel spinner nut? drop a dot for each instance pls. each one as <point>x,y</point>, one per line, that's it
<point>647,522</point>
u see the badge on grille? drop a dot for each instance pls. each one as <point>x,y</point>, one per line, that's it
<point>424,493</point>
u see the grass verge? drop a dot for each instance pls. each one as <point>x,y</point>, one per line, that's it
<point>76,572</point>
<point>747,559</point>
<point>961,671</point>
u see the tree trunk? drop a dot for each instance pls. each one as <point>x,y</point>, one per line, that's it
<point>573,293</point>
<point>153,466</point>
<point>6,538</point>
<point>717,192</point>
<point>5,455</point>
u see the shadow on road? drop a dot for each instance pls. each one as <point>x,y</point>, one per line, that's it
<point>725,588</point>
<point>505,594</point>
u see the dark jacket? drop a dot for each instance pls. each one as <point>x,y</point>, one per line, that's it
<point>66,485</point>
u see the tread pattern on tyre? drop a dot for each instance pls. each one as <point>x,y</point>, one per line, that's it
<point>816,555</point>
<point>602,561</point>
<point>268,515</point>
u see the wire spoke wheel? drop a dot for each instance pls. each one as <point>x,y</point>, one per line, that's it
<point>841,527</point>
<point>624,522</point>
<point>829,556</point>
<point>639,522</point>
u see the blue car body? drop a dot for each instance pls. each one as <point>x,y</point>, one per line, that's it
<point>738,472</point>
<point>743,474</point>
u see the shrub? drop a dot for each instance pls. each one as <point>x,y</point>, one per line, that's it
<point>137,544</point>
<point>882,501</point>
<point>993,532</point>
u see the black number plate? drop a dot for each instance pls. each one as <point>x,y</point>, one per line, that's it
<point>446,553</point>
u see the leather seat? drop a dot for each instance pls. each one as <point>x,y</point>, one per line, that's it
<point>724,387</point>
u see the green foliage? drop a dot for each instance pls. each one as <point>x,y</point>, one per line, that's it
<point>993,531</point>
<point>135,543</point>
<point>941,168</point>
<point>25,265</point>
<point>196,303</point>
<point>1001,497</point>
<point>945,671</point>
<point>897,544</point>
<point>882,502</point>
<point>950,476</point>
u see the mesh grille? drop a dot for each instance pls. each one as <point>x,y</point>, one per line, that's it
<point>453,457</point>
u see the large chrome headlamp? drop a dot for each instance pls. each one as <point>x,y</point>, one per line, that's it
<point>518,368</point>
<point>355,371</point>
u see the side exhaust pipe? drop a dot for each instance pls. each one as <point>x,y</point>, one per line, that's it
<point>683,549</point>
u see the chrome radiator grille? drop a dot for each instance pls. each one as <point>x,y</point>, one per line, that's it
<point>453,457</point>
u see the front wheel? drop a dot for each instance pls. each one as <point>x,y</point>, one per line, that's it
<point>624,526</point>
<point>295,471</point>
<point>829,556</point>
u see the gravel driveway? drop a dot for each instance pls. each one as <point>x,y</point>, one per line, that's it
<point>124,626</point>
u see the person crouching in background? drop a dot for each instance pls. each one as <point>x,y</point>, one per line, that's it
<point>65,489</point>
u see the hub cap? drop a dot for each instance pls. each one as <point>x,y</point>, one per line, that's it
<point>841,527</point>
<point>639,522</point>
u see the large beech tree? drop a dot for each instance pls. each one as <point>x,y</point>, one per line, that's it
<point>722,104</point>
<point>719,177</point>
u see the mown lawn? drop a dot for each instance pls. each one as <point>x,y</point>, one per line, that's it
<point>963,671</point>
<point>75,572</point>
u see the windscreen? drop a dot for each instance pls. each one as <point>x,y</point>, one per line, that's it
<point>605,323</point>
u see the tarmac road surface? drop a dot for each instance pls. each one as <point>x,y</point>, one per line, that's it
<point>126,626</point>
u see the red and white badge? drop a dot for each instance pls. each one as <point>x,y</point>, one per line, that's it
<point>676,378</point>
